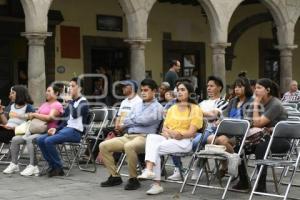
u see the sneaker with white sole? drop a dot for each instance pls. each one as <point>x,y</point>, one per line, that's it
<point>147,174</point>
<point>30,170</point>
<point>155,189</point>
<point>195,173</point>
<point>176,175</point>
<point>11,168</point>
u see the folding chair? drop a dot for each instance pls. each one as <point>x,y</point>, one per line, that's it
<point>290,105</point>
<point>4,153</point>
<point>192,154</point>
<point>100,122</point>
<point>78,149</point>
<point>229,127</point>
<point>288,130</point>
<point>111,116</point>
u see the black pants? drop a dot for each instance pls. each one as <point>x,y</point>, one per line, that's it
<point>279,145</point>
<point>6,135</point>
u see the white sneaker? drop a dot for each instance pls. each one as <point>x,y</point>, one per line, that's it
<point>155,189</point>
<point>11,168</point>
<point>30,170</point>
<point>176,175</point>
<point>147,174</point>
<point>195,173</point>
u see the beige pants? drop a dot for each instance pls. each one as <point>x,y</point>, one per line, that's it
<point>131,144</point>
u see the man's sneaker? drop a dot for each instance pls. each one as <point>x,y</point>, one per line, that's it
<point>11,168</point>
<point>147,174</point>
<point>176,175</point>
<point>30,170</point>
<point>56,172</point>
<point>155,189</point>
<point>196,173</point>
<point>112,181</point>
<point>132,184</point>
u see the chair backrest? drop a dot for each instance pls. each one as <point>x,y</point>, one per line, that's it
<point>287,129</point>
<point>90,121</point>
<point>295,113</point>
<point>293,118</point>
<point>233,127</point>
<point>100,114</point>
<point>111,115</point>
<point>291,105</point>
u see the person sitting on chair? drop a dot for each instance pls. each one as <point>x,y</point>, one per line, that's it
<point>69,130</point>
<point>143,119</point>
<point>180,126</point>
<point>47,112</point>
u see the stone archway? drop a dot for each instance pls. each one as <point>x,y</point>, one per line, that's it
<point>137,12</point>
<point>239,29</point>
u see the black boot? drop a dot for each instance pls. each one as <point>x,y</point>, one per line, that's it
<point>243,183</point>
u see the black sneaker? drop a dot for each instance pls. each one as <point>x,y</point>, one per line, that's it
<point>56,172</point>
<point>132,184</point>
<point>112,181</point>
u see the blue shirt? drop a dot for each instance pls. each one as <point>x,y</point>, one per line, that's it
<point>144,118</point>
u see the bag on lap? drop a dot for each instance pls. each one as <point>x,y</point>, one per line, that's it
<point>37,126</point>
<point>22,128</point>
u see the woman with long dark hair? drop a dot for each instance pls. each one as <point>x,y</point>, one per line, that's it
<point>236,109</point>
<point>267,111</point>
<point>180,126</point>
<point>47,112</point>
<point>18,112</point>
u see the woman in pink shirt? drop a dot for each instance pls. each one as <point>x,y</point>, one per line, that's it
<point>47,112</point>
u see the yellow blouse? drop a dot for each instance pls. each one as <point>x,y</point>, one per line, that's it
<point>181,120</point>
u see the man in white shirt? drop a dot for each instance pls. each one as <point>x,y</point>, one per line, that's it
<point>129,89</point>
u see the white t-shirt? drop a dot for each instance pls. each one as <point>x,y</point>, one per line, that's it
<point>210,105</point>
<point>126,107</point>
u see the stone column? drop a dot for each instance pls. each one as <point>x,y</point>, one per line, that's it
<point>137,58</point>
<point>36,66</point>
<point>218,60</point>
<point>286,66</point>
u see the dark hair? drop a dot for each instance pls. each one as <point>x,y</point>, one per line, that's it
<point>22,95</point>
<point>56,88</point>
<point>242,74</point>
<point>182,79</point>
<point>218,81</point>
<point>252,82</point>
<point>78,81</point>
<point>271,85</point>
<point>173,62</point>
<point>243,81</point>
<point>191,91</point>
<point>150,83</point>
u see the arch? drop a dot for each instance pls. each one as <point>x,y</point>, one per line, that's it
<point>36,14</point>
<point>137,13</point>
<point>219,14</point>
<point>239,29</point>
<point>285,14</point>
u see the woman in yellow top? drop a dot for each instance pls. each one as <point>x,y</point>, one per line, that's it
<point>181,124</point>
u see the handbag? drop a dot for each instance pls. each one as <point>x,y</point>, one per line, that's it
<point>37,126</point>
<point>255,136</point>
<point>22,128</point>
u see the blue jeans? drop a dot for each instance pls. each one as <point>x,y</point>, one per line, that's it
<point>208,131</point>
<point>47,145</point>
